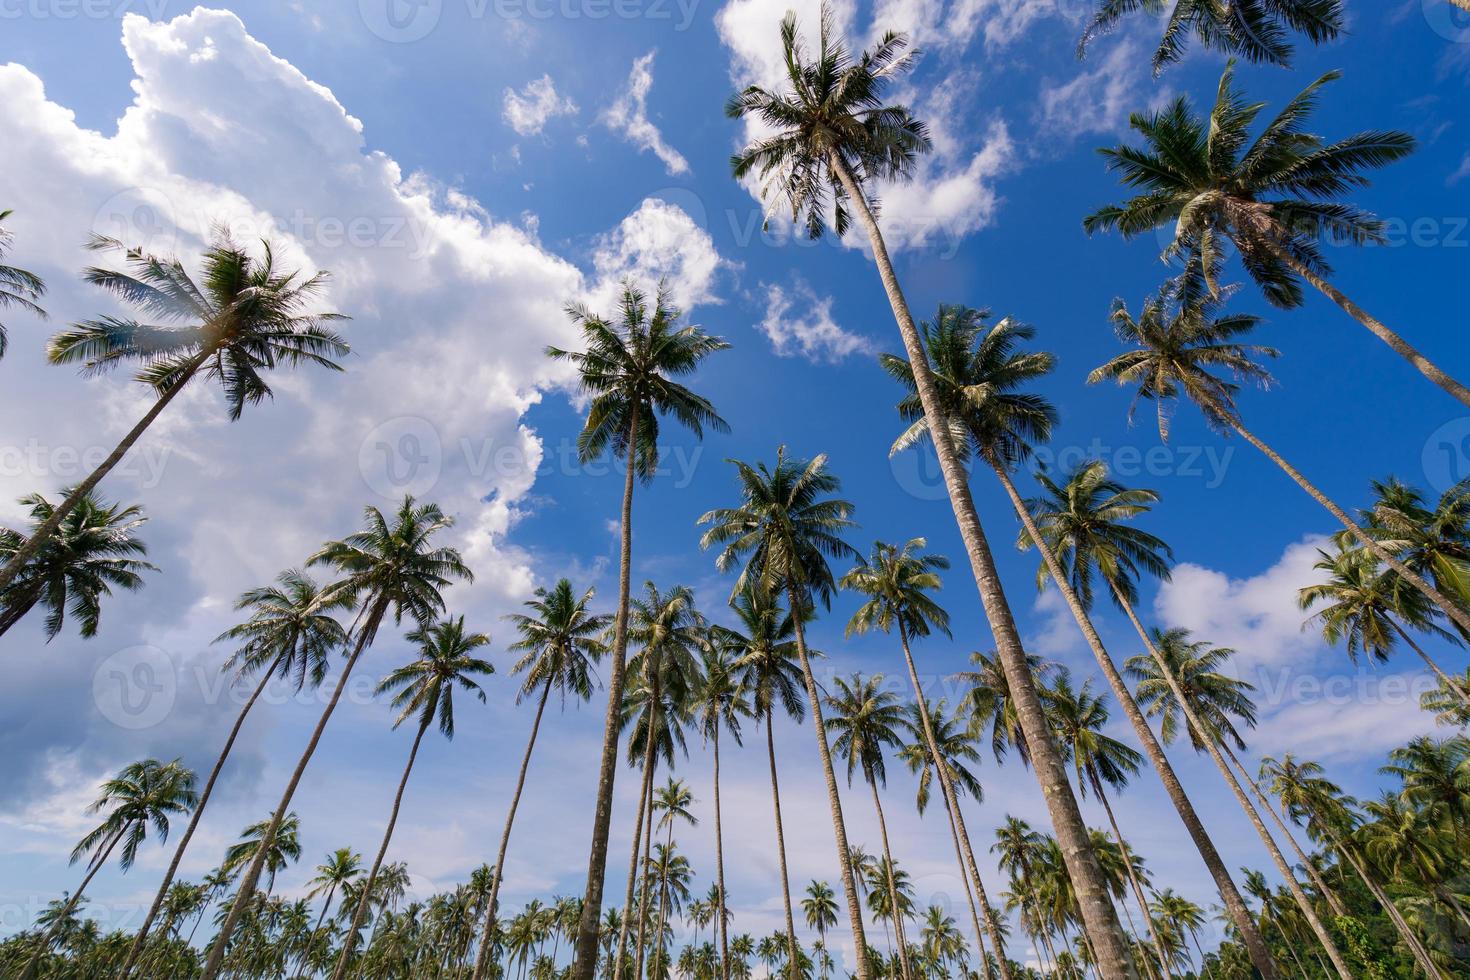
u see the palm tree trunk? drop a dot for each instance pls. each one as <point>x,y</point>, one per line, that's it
<point>1148,919</point>
<point>834,799</point>
<point>1416,948</point>
<point>584,961</point>
<point>315,931</point>
<point>16,611</point>
<point>663,905</point>
<point>952,801</point>
<point>1201,733</point>
<point>48,527</point>
<point>1327,893</point>
<point>45,943</point>
<point>791,946</point>
<point>650,762</point>
<point>482,958</point>
<point>644,791</point>
<point>1444,678</point>
<point>1098,914</point>
<point>1255,944</point>
<point>350,939</point>
<point>720,867</point>
<point>1204,969</point>
<point>959,855</point>
<point>1451,609</point>
<point>173,867</point>
<point>903,951</point>
<point>1397,344</point>
<point>252,874</point>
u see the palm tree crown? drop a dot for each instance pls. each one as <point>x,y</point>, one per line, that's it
<point>833,114</point>
<point>17,286</point>
<point>291,631</point>
<point>561,641</point>
<point>866,720</point>
<point>1254,29</point>
<point>425,687</point>
<point>897,580</point>
<point>1217,699</point>
<point>144,794</point>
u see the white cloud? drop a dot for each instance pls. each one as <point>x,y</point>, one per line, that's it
<point>1461,172</point>
<point>528,110</point>
<point>629,116</point>
<point>1099,98</point>
<point>658,241</point>
<point>809,331</point>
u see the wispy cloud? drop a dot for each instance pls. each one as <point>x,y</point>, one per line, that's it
<point>629,117</point>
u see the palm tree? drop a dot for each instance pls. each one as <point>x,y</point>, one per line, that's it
<point>670,874</point>
<point>143,794</point>
<point>719,705</point>
<point>866,720</point>
<point>424,687</point>
<point>1180,677</point>
<point>987,702</point>
<point>897,581</point>
<point>1079,525</point>
<point>281,849</point>
<point>1253,29</point>
<point>1274,199</point>
<point>342,867</point>
<point>1079,717</point>
<point>385,567</point>
<point>1306,793</point>
<point>673,803</point>
<point>974,389</point>
<point>561,643</point>
<point>289,634</point>
<point>1183,916</point>
<point>770,670</point>
<point>820,909</point>
<point>17,286</point>
<point>1018,850</point>
<point>246,319</point>
<point>95,548</point>
<point>1365,610</point>
<point>1175,344</point>
<point>784,530</point>
<point>628,370</point>
<point>1434,540</point>
<point>1412,846</point>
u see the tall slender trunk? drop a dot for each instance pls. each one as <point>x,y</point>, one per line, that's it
<point>644,791</point>
<point>584,961</point>
<point>482,957</point>
<point>1397,344</point>
<point>1148,919</point>
<point>1327,893</point>
<point>248,884</point>
<point>1201,733</point>
<point>1445,679</point>
<point>315,931</point>
<point>791,947</point>
<point>952,800</point>
<point>663,904</point>
<point>350,939</point>
<point>1451,609</point>
<point>48,527</point>
<point>1416,947</point>
<point>720,866</point>
<point>959,856</point>
<point>168,876</point>
<point>894,906</point>
<point>1098,913</point>
<point>1240,915</point>
<point>650,762</point>
<point>16,611</point>
<point>71,903</point>
<point>834,799</point>
<point>1204,969</point>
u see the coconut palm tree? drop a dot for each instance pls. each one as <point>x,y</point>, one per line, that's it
<point>628,370</point>
<point>1183,916</point>
<point>831,134</point>
<point>1436,777</point>
<point>782,534</point>
<point>769,669</point>
<point>341,868</point>
<point>1254,29</point>
<point>95,548</point>
<point>17,286</point>
<point>720,704</point>
<point>670,873</point>
<point>248,318</point>
<point>897,580</point>
<point>1079,525</point>
<point>1432,540</point>
<point>280,850</point>
<point>1366,610</point>
<point>819,906</point>
<point>1274,198</point>
<point>987,702</point>
<point>1176,344</point>
<point>1079,716</point>
<point>423,687</point>
<point>1018,852</point>
<point>867,720</point>
<point>560,642</point>
<point>1413,846</point>
<point>290,634</point>
<point>143,794</point>
<point>673,803</point>
<point>1180,679</point>
<point>386,567</point>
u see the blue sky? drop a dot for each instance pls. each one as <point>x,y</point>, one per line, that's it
<point>471,169</point>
